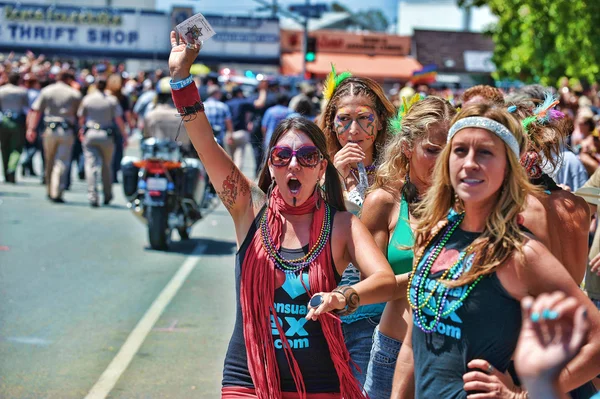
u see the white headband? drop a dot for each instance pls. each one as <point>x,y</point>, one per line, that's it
<point>488,124</point>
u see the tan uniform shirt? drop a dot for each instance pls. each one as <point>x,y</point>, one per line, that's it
<point>100,108</point>
<point>162,123</point>
<point>13,98</point>
<point>592,280</point>
<point>58,101</point>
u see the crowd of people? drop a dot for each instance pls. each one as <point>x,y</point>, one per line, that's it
<point>418,243</point>
<point>395,250</point>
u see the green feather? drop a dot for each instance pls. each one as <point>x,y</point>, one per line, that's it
<point>339,78</point>
<point>528,121</point>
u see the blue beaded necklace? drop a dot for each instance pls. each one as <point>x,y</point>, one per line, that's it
<point>463,264</point>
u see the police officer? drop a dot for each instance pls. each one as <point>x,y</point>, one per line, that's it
<point>58,103</point>
<point>99,117</point>
<point>13,106</point>
<point>163,122</point>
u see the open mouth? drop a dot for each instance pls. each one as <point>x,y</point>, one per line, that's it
<point>294,185</point>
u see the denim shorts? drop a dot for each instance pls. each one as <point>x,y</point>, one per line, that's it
<point>596,302</point>
<point>382,364</point>
<point>358,337</point>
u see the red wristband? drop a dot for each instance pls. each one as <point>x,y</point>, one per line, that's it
<point>186,97</point>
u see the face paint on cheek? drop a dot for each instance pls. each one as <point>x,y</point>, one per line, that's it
<point>369,127</point>
<point>340,128</point>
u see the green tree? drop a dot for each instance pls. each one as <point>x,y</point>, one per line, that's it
<point>542,40</point>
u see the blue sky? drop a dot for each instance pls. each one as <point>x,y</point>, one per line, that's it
<point>245,7</point>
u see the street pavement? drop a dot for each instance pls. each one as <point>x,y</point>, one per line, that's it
<point>76,281</point>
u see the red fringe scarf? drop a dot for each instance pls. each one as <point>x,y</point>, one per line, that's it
<point>257,294</point>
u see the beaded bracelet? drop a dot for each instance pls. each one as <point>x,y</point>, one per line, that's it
<point>180,84</point>
<point>352,300</point>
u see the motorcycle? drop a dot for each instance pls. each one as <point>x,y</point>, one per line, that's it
<point>164,190</point>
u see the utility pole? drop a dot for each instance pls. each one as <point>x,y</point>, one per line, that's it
<point>305,41</point>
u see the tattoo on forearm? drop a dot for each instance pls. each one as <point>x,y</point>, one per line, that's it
<point>235,183</point>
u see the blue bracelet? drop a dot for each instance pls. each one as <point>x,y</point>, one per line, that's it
<point>181,83</point>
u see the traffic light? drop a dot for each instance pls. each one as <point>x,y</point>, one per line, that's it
<point>311,49</point>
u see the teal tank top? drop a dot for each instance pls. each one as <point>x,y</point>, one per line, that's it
<point>399,252</point>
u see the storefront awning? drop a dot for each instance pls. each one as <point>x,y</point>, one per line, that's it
<point>377,67</point>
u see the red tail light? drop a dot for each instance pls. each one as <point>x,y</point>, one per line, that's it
<point>154,167</point>
<point>157,166</point>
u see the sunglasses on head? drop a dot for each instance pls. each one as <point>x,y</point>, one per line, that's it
<point>308,156</point>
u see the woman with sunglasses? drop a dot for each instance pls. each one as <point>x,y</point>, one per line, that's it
<point>294,241</point>
<point>355,124</point>
<point>418,137</point>
<point>474,266</point>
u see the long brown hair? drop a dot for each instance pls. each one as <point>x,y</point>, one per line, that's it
<point>502,235</point>
<point>333,192</point>
<point>357,86</point>
<point>546,138</point>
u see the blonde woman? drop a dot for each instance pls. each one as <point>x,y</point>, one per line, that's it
<point>418,137</point>
<point>473,268</point>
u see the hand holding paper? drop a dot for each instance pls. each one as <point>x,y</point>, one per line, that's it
<point>192,31</point>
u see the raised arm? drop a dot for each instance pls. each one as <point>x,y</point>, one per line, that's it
<point>234,189</point>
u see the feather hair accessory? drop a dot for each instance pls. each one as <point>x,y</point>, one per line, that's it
<point>395,123</point>
<point>333,80</point>
<point>544,113</point>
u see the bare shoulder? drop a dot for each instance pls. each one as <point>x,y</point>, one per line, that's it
<point>381,197</point>
<point>343,221</point>
<point>379,206</point>
<point>569,207</point>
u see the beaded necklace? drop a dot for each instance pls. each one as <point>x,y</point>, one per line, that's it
<point>455,271</point>
<point>295,265</point>
<point>369,169</point>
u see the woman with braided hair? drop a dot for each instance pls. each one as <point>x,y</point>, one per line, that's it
<point>418,135</point>
<point>294,240</point>
<point>355,125</point>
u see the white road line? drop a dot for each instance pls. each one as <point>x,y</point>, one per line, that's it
<point>119,364</point>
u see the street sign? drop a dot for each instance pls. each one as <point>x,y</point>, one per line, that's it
<point>309,11</point>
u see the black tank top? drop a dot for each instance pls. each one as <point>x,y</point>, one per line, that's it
<point>304,336</point>
<point>486,326</point>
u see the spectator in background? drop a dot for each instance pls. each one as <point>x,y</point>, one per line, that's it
<point>273,116</point>
<point>33,91</point>
<point>241,113</point>
<point>218,114</point>
<point>14,104</point>
<point>304,107</point>
<point>145,103</point>
<point>114,86</point>
<point>483,93</point>
<point>584,126</point>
